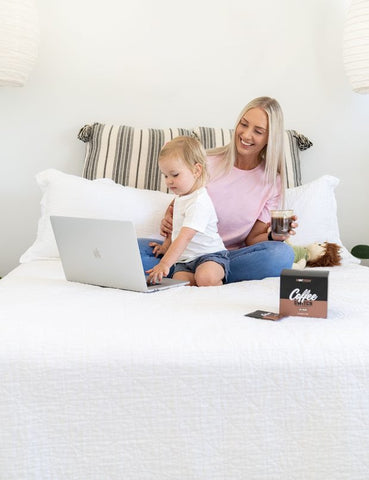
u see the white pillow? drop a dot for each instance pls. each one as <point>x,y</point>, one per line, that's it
<point>315,205</point>
<point>75,196</point>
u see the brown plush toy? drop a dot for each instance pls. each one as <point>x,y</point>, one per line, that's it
<point>317,255</point>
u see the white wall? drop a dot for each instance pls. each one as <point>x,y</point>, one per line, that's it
<point>173,63</point>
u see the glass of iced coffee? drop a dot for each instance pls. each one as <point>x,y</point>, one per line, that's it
<point>281,221</point>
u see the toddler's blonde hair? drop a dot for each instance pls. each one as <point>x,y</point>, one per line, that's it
<point>190,151</point>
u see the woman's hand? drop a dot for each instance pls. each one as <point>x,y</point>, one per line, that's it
<point>260,231</point>
<point>294,225</point>
<point>166,225</point>
<point>282,238</point>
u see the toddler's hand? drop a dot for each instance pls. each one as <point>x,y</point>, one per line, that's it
<point>157,273</point>
<point>158,248</point>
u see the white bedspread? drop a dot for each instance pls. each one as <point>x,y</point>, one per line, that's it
<point>105,384</point>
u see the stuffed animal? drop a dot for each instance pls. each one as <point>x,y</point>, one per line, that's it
<point>317,255</point>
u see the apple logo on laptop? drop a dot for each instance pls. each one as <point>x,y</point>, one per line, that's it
<point>96,253</point>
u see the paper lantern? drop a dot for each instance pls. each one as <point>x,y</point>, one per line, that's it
<point>19,40</point>
<point>356,45</point>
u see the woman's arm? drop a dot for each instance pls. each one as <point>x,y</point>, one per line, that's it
<point>166,225</point>
<point>259,232</point>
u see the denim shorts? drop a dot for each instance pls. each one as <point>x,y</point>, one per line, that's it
<point>221,257</point>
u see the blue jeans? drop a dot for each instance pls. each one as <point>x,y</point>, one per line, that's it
<point>264,259</point>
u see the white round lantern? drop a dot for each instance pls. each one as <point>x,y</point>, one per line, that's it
<point>356,45</point>
<point>19,40</point>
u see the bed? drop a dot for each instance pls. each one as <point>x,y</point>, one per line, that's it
<point>98,383</point>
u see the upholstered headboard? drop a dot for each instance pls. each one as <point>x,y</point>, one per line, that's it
<point>128,155</point>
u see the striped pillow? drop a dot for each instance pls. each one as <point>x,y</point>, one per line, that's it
<point>213,137</point>
<point>126,154</point>
<point>294,142</point>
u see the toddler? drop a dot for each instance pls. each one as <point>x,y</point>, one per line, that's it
<point>195,247</point>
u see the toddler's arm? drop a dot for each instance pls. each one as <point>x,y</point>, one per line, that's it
<point>161,270</point>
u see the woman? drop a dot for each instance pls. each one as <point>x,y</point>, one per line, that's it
<point>247,180</point>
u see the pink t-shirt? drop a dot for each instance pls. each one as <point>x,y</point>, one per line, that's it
<point>240,198</point>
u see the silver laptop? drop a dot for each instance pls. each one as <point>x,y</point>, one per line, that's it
<point>103,252</point>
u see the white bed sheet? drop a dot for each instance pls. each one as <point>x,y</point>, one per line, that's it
<point>106,384</point>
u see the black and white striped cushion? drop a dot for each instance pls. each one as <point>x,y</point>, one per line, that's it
<point>126,154</point>
<point>129,155</point>
<point>213,137</point>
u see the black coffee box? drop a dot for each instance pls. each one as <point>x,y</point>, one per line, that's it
<point>303,293</point>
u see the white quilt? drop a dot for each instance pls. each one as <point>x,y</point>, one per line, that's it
<point>106,384</point>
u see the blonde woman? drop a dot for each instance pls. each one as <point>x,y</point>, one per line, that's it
<point>194,246</point>
<point>247,180</point>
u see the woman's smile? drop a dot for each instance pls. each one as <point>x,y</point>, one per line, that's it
<point>246,144</point>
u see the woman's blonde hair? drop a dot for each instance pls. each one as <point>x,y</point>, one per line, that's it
<point>272,153</point>
<point>190,151</point>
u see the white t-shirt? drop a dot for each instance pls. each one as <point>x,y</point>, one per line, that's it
<point>197,211</point>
